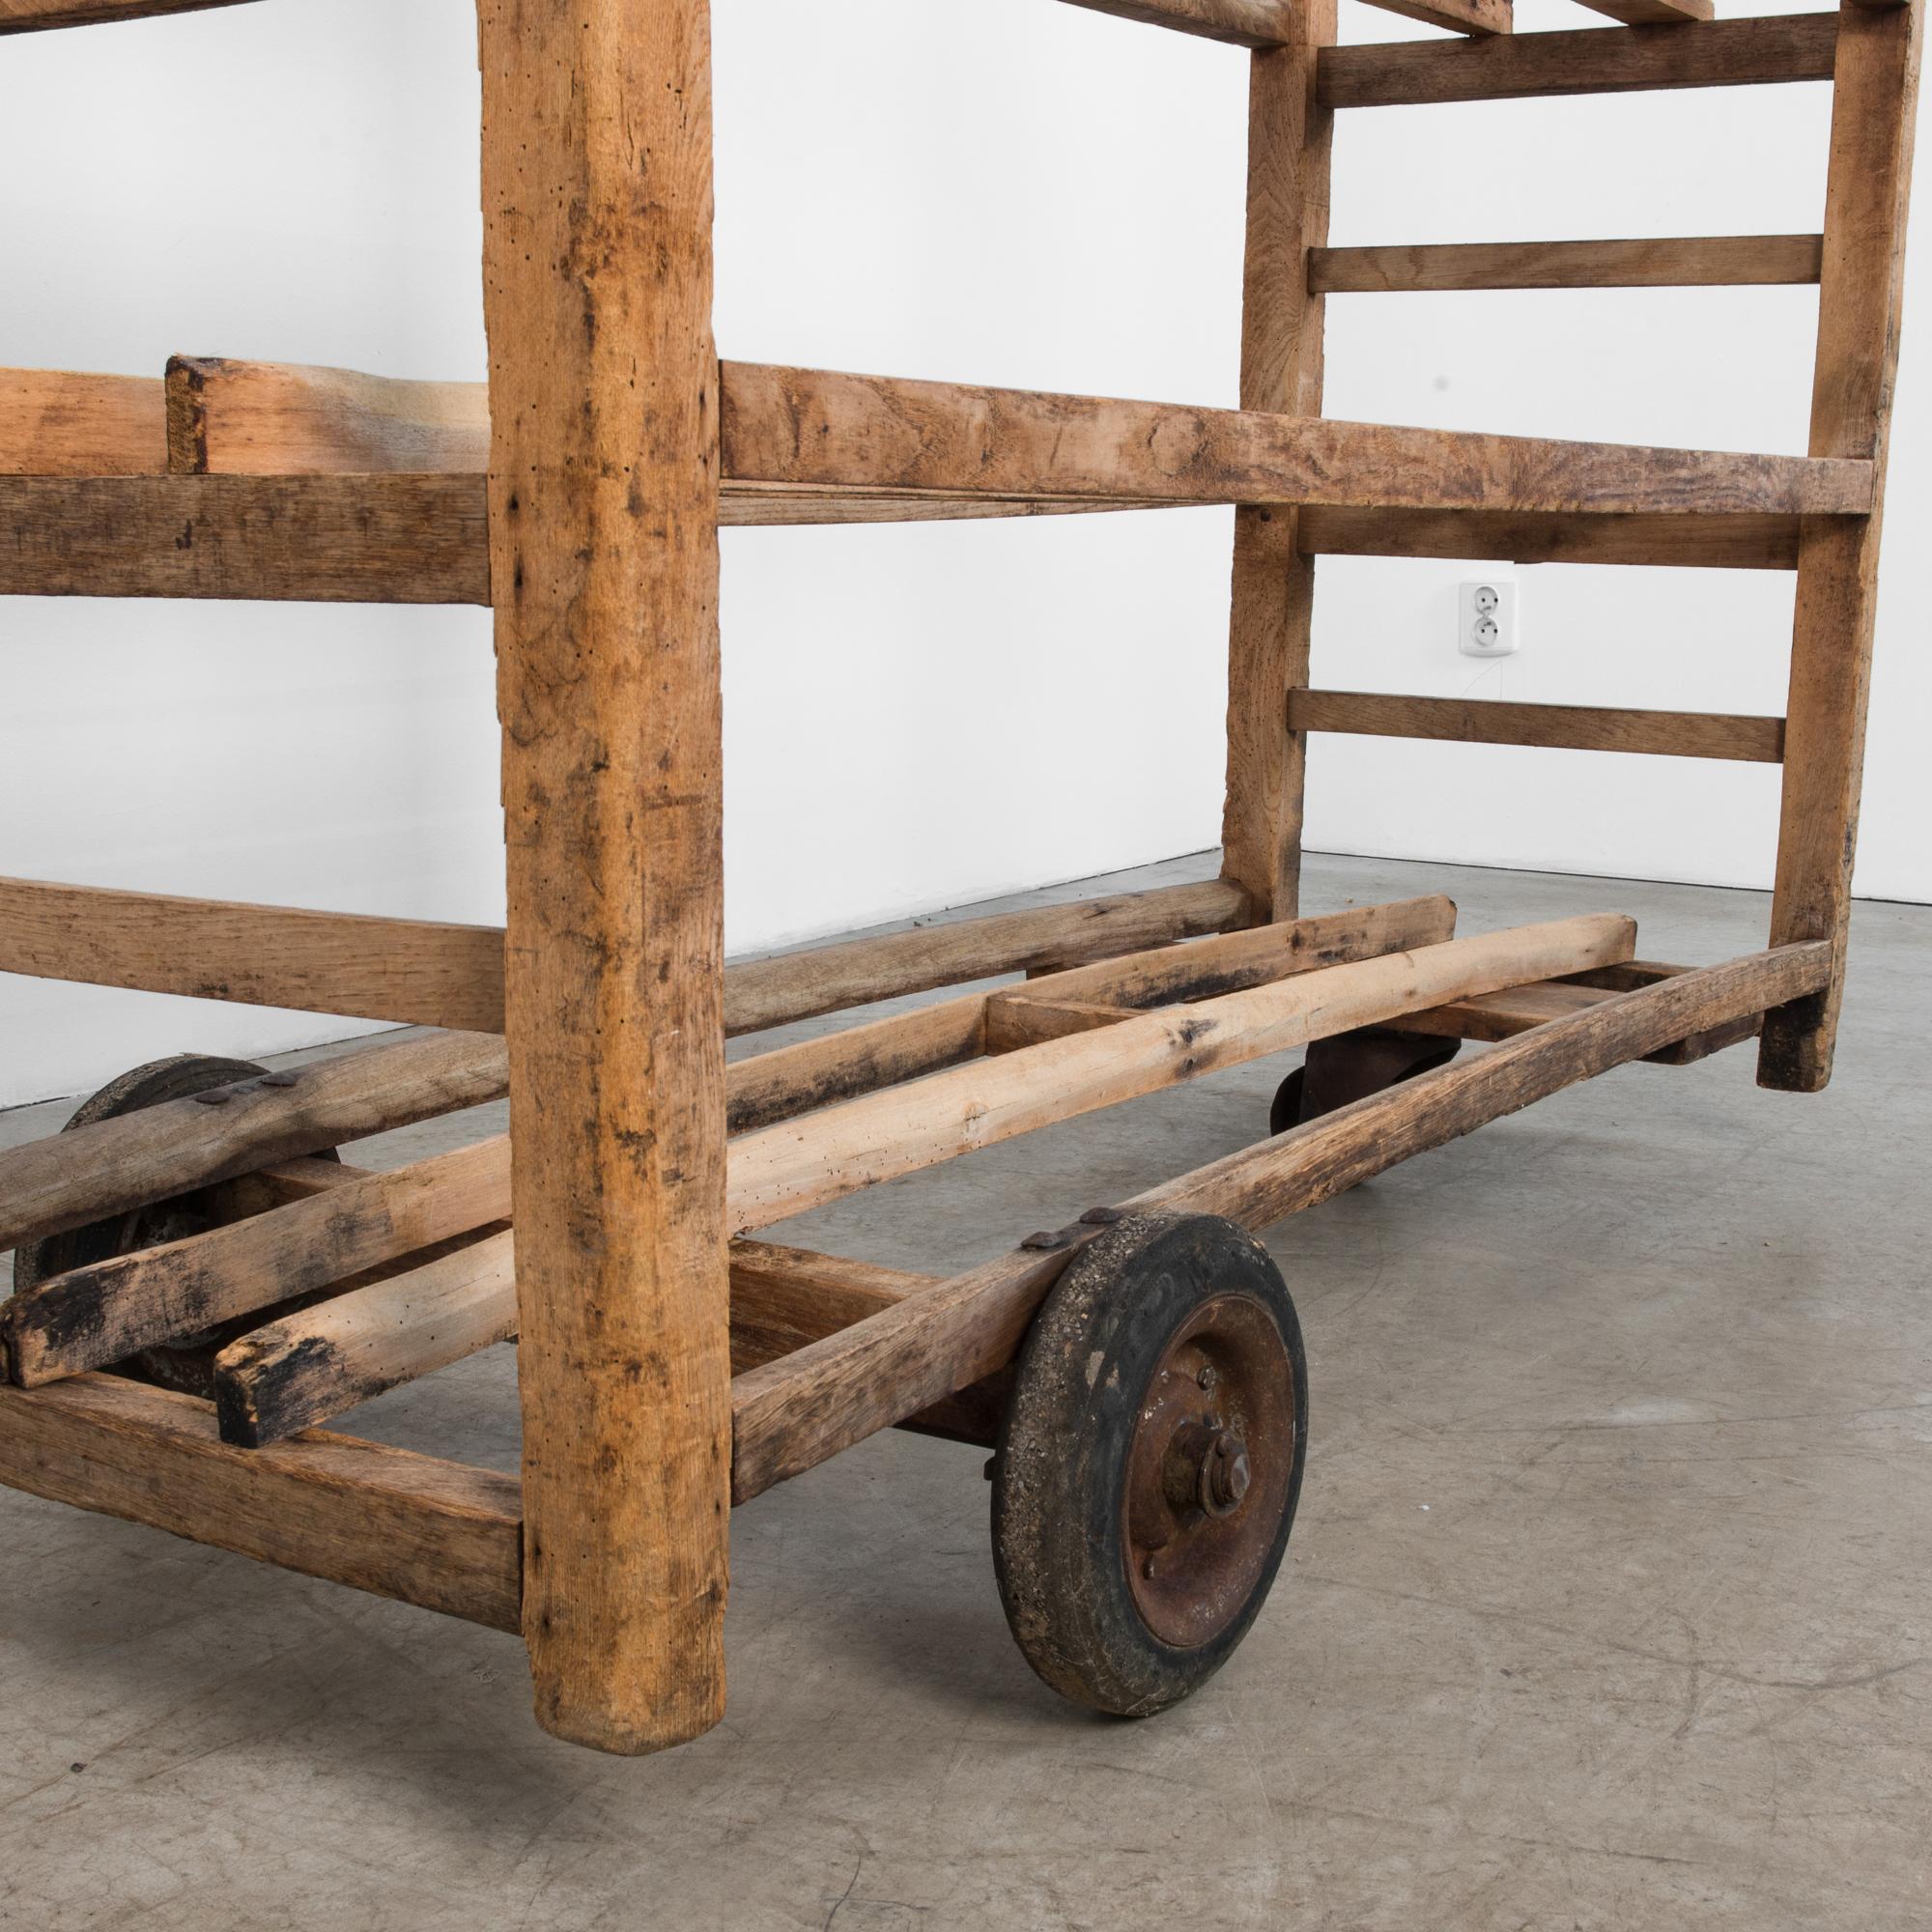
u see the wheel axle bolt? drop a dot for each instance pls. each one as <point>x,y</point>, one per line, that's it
<point>1226,1473</point>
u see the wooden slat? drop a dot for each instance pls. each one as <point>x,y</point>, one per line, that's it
<point>1497,1016</point>
<point>1017,1020</point>
<point>1711,261</point>
<point>26,17</point>
<point>1458,17</point>
<point>106,1312</point>
<point>430,973</point>
<point>424,1531</point>
<point>88,1174</point>
<point>413,970</point>
<point>1270,611</point>
<point>229,417</point>
<point>54,422</point>
<point>309,1365</point>
<point>814,426</point>
<point>1652,12</point>
<point>799,985</point>
<point>317,1362</point>
<point>604,468</point>
<point>1866,195</point>
<point>1749,542</point>
<point>1581,727</point>
<point>1241,24</point>
<point>784,1170</point>
<point>321,539</point>
<point>1594,60</point>
<point>814,1073</point>
<point>793,1414</point>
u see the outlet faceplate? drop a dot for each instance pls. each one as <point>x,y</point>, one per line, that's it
<point>1485,624</point>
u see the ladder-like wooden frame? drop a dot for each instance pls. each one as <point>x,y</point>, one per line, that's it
<point>580,496</point>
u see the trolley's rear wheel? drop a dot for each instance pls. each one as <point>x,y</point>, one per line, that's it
<point>1149,1461</point>
<point>1349,1066</point>
<point>180,1077</point>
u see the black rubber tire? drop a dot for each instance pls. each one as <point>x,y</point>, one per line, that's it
<point>1285,1111</point>
<point>1060,1542</point>
<point>180,1077</point>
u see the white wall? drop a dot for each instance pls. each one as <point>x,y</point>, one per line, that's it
<point>1005,191</point>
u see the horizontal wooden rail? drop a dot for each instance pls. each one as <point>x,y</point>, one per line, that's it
<point>319,539</point>
<point>54,422</point>
<point>26,17</point>
<point>784,1170</point>
<point>1747,542</point>
<point>89,1174</point>
<point>427,974</point>
<point>1576,727</point>
<point>815,426</point>
<point>1241,24</point>
<point>793,1414</point>
<point>1710,261</point>
<point>1592,59</point>
<point>1458,17</point>
<point>439,1534</point>
<point>1652,12</point>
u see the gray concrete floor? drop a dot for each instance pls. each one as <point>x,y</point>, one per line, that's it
<point>1607,1607</point>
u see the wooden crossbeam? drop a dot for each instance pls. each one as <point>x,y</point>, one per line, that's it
<point>1591,60</point>
<point>1460,16</point>
<point>54,422</point>
<point>1015,1020</point>
<point>241,418</point>
<point>316,539</point>
<point>89,1174</point>
<point>784,1170</point>
<point>793,1414</point>
<point>1747,542</point>
<point>431,974</point>
<point>26,17</point>
<point>814,426</point>
<point>1653,13</point>
<point>1581,727</point>
<point>402,1526</point>
<point>1241,24</point>
<point>1710,261</point>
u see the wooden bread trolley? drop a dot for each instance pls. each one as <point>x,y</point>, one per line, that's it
<point>201,1284</point>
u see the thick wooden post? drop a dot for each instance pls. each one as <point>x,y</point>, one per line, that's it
<point>1289,140</point>
<point>1858,302</point>
<point>604,568</point>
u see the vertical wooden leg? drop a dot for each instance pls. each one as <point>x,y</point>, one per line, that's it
<point>1872,115</point>
<point>1289,140</point>
<point>604,563</point>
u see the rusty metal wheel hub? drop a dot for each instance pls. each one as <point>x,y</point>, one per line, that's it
<point>1209,1471</point>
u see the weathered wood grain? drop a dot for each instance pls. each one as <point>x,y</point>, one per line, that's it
<point>415,971</point>
<point>105,1312</point>
<point>793,1414</point>
<point>1272,594</point>
<point>783,1170</point>
<point>1747,541</point>
<point>26,17</point>
<point>1868,192</point>
<point>1241,24</point>
<point>87,1174</point>
<point>321,539</point>
<point>604,471</point>
<point>1593,60</point>
<point>54,422</point>
<point>1710,261</point>
<point>815,426</point>
<point>383,1519</point>
<point>1582,727</point>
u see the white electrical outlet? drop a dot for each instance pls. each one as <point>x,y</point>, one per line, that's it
<point>1486,625</point>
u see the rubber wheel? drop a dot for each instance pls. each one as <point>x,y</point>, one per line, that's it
<point>1149,1461</point>
<point>180,1077</point>
<point>1352,1065</point>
